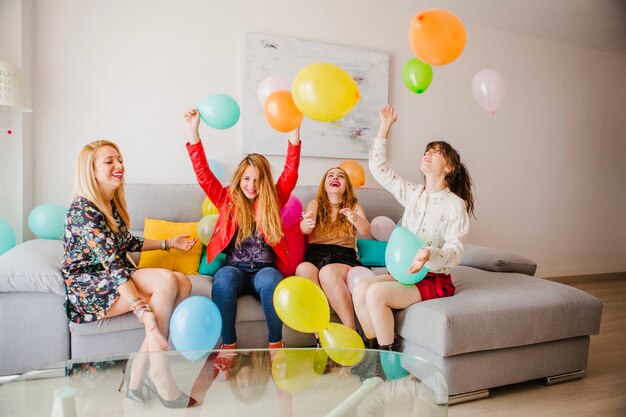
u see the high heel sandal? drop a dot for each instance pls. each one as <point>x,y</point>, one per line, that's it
<point>135,395</point>
<point>183,400</point>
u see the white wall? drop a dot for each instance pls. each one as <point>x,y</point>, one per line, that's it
<point>548,167</point>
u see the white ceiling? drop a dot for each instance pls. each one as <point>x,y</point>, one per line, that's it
<point>594,24</point>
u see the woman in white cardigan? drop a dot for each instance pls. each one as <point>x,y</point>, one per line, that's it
<point>437,212</point>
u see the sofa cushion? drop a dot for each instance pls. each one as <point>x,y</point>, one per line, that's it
<point>176,260</point>
<point>209,269</point>
<point>490,259</point>
<point>371,252</point>
<point>33,266</point>
<point>493,310</point>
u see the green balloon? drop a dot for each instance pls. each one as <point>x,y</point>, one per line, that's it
<point>417,75</point>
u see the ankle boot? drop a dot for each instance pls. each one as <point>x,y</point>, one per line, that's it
<point>371,343</point>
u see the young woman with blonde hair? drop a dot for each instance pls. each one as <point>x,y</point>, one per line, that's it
<point>331,221</point>
<point>100,280</point>
<point>249,230</point>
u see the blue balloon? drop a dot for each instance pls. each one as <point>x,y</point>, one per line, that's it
<point>219,111</point>
<point>47,220</point>
<point>7,236</point>
<point>391,363</point>
<point>401,250</point>
<point>195,327</point>
<point>217,169</point>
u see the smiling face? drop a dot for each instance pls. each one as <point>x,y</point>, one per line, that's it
<point>249,183</point>
<point>434,162</point>
<point>335,181</point>
<point>108,167</point>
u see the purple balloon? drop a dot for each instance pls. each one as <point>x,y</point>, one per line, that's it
<point>291,212</point>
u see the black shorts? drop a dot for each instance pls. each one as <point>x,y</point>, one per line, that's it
<point>321,255</point>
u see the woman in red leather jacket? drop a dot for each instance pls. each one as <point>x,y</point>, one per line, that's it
<point>249,230</point>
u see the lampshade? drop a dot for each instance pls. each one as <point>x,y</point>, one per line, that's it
<point>12,94</point>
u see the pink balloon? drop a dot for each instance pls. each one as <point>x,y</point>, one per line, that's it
<point>488,89</point>
<point>381,228</point>
<point>291,211</point>
<point>357,274</point>
<point>297,247</point>
<point>271,84</point>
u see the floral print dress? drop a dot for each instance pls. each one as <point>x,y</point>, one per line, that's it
<point>95,262</point>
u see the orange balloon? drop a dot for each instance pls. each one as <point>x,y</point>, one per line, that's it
<point>281,112</point>
<point>354,171</point>
<point>436,36</point>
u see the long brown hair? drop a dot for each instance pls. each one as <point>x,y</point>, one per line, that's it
<point>458,180</point>
<point>325,223</point>
<point>260,367</point>
<point>268,210</point>
<point>86,186</point>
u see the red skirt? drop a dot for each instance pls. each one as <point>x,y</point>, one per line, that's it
<point>435,286</point>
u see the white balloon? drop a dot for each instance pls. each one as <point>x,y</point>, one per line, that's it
<point>271,84</point>
<point>488,89</point>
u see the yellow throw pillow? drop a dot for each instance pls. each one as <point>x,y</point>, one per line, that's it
<point>176,260</point>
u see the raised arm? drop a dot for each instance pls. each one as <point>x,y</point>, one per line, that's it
<point>289,177</point>
<point>401,189</point>
<point>205,177</point>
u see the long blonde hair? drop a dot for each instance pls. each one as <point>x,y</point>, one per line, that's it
<point>268,210</point>
<point>86,186</point>
<point>340,225</point>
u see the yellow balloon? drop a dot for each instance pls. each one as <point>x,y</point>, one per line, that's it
<point>295,370</point>
<point>324,92</point>
<point>208,207</point>
<point>337,337</point>
<point>301,305</point>
<point>205,227</point>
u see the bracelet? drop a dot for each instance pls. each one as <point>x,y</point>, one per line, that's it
<point>168,244</point>
<point>134,303</point>
<point>163,245</point>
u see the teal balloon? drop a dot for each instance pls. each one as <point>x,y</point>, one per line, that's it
<point>417,75</point>
<point>7,236</point>
<point>392,366</point>
<point>401,250</point>
<point>195,327</point>
<point>47,220</point>
<point>219,111</point>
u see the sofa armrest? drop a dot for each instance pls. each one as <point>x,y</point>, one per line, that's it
<point>495,260</point>
<point>33,266</point>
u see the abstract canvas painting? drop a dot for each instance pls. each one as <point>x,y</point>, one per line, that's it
<point>350,137</point>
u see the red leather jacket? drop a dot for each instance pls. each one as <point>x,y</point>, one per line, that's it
<point>226,225</point>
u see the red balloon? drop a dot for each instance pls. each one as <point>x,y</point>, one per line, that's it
<point>297,246</point>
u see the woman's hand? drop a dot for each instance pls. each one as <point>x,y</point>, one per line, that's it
<point>388,117</point>
<point>350,214</point>
<point>307,224</point>
<point>192,120</point>
<point>422,256</point>
<point>181,242</point>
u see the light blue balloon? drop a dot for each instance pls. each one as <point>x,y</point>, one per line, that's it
<point>47,220</point>
<point>401,250</point>
<point>219,111</point>
<point>195,327</point>
<point>7,236</point>
<point>217,169</point>
<point>391,363</point>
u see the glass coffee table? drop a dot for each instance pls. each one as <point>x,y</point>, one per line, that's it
<point>256,382</point>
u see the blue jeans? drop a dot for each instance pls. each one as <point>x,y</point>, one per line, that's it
<point>231,282</point>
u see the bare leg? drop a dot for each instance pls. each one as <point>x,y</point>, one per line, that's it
<point>360,305</point>
<point>184,287</point>
<point>380,298</point>
<point>333,281</point>
<point>308,270</point>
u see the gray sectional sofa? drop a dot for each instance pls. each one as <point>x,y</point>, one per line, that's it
<point>501,327</point>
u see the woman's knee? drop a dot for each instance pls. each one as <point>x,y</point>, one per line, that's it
<point>167,282</point>
<point>375,295</point>
<point>267,278</point>
<point>184,285</point>
<point>359,291</point>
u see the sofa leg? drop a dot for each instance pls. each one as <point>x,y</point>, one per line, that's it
<point>557,379</point>
<point>468,396</point>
